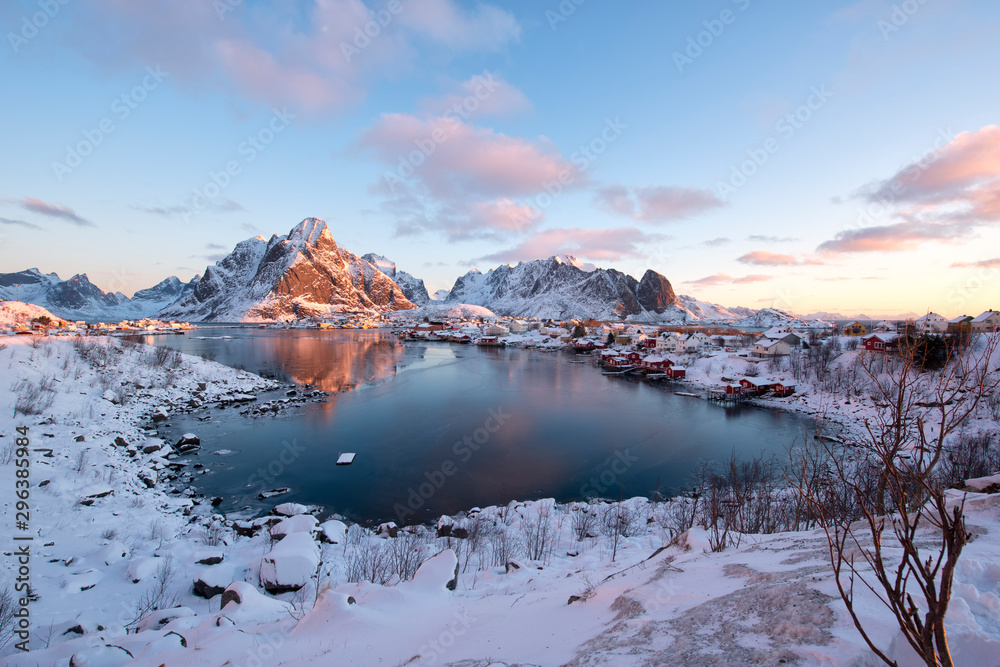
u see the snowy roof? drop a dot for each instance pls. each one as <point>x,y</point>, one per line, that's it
<point>759,382</point>
<point>654,359</point>
<point>769,342</point>
<point>960,319</point>
<point>985,316</point>
<point>884,337</point>
<point>930,317</point>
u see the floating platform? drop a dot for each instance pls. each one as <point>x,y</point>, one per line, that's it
<point>346,459</point>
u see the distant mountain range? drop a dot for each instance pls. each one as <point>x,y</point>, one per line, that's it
<point>305,274</point>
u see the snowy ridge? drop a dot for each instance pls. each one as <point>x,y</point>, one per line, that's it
<point>771,317</point>
<point>79,299</point>
<point>413,288</point>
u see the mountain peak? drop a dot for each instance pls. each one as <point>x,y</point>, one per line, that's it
<point>309,231</point>
<point>563,258</point>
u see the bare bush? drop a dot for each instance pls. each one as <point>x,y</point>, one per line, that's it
<point>8,605</point>
<point>34,398</point>
<point>538,535</point>
<point>584,523</point>
<point>972,456</point>
<point>405,552</point>
<point>368,558</point>
<point>618,521</point>
<point>158,596</point>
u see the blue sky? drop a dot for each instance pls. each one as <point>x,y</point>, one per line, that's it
<point>880,192</point>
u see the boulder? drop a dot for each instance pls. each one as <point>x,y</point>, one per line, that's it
<point>290,565</point>
<point>301,523</point>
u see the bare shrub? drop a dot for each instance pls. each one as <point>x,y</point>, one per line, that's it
<point>368,558</point>
<point>8,605</point>
<point>405,552</point>
<point>501,543</point>
<point>618,521</point>
<point>972,456</point>
<point>538,535</point>
<point>109,534</point>
<point>158,596</point>
<point>584,523</point>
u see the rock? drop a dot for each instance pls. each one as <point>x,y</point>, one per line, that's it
<point>291,509</point>
<point>437,573</point>
<point>302,523</point>
<point>119,441</point>
<point>212,581</point>
<point>264,495</point>
<point>148,477</point>
<point>209,558</point>
<point>155,620</point>
<point>290,565</point>
<point>99,490</point>
<point>188,442</point>
<point>389,529</point>
<point>332,531</point>
<point>161,415</point>
<point>243,604</point>
<point>574,598</point>
<point>80,438</point>
<point>105,656</point>
<point>152,448</point>
<point>216,501</point>
<point>511,566</point>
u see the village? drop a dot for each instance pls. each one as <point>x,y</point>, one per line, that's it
<point>658,353</point>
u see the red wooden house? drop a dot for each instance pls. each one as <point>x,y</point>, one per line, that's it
<point>881,342</point>
<point>677,372</point>
<point>784,388</point>
<point>653,362</point>
<point>756,384</point>
<point>649,343</point>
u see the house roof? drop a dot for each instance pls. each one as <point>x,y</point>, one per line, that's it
<point>654,359</point>
<point>759,382</point>
<point>769,342</point>
<point>884,337</point>
<point>929,317</point>
<point>985,316</point>
<point>960,319</point>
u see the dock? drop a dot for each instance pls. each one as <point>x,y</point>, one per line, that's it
<point>346,459</point>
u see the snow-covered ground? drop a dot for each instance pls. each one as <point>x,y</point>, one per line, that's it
<point>105,542</point>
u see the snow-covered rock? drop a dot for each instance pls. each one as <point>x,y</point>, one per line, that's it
<point>290,565</point>
<point>243,604</point>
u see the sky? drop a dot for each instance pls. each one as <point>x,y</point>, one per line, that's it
<point>836,156</point>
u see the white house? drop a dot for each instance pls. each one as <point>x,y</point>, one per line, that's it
<point>931,323</point>
<point>988,322</point>
<point>771,347</point>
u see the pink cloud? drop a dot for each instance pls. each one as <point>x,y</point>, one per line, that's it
<point>486,94</point>
<point>891,238</point>
<point>57,211</point>
<point>657,204</point>
<point>310,59</point>
<point>983,264</point>
<point>943,197</point>
<point>608,244</point>
<point>452,158</point>
<point>725,279</point>
<point>766,258</point>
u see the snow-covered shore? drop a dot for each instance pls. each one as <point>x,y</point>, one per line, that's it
<point>106,542</point>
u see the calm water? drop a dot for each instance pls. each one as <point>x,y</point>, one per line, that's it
<point>439,428</point>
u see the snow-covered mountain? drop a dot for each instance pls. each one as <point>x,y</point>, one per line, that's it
<point>702,310</point>
<point>79,299</point>
<point>563,287</point>
<point>301,274</point>
<point>413,288</point>
<point>766,318</point>
<point>558,288</point>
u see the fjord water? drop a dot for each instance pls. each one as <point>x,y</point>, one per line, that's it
<point>440,428</point>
